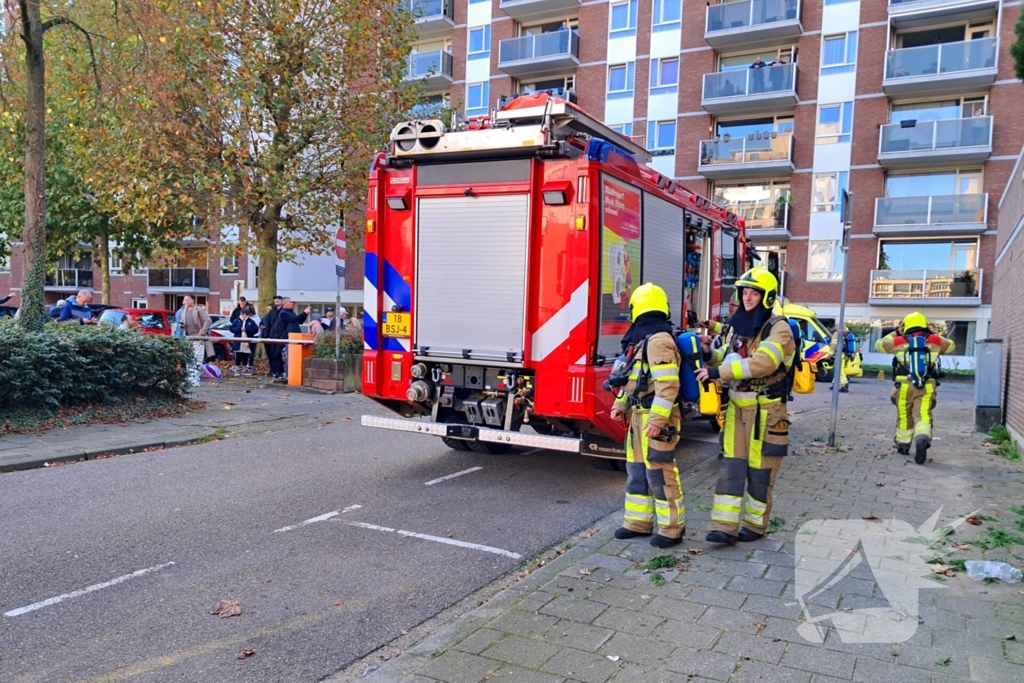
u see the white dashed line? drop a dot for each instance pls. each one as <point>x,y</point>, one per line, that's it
<point>321,518</point>
<point>452,476</point>
<point>88,589</point>
<point>438,539</point>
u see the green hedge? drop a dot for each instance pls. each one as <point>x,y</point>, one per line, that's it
<point>351,344</point>
<point>69,365</point>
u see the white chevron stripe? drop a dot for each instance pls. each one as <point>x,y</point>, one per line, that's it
<point>369,302</point>
<point>555,331</point>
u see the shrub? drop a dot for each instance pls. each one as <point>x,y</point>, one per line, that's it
<point>351,344</point>
<point>68,365</point>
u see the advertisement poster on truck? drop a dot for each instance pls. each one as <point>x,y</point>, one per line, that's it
<point>620,258</point>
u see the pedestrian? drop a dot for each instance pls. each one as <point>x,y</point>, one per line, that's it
<point>329,321</point>
<point>7,298</point>
<point>316,327</point>
<point>128,324</point>
<point>843,353</point>
<point>77,310</point>
<point>243,327</point>
<point>242,305</point>
<point>271,327</point>
<point>293,321</point>
<point>916,349</point>
<point>56,309</point>
<point>755,363</point>
<point>648,403</point>
<point>195,322</point>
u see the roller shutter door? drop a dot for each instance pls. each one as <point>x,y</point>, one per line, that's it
<point>663,251</point>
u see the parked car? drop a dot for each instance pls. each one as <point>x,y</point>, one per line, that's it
<point>222,328</point>
<point>151,320</point>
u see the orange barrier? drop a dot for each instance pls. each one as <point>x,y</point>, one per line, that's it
<point>296,354</point>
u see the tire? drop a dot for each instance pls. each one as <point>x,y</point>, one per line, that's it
<point>489,447</point>
<point>218,352</point>
<point>825,374</point>
<point>455,444</point>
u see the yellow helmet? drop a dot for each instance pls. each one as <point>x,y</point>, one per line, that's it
<point>762,280</point>
<point>648,297</point>
<point>915,321</point>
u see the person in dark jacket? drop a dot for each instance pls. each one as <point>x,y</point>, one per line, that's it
<point>293,321</point>
<point>271,327</point>
<point>5,299</point>
<point>77,310</point>
<point>243,305</point>
<point>244,327</point>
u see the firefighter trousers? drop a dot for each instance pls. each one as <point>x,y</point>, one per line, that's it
<point>653,488</point>
<point>754,440</point>
<point>913,410</point>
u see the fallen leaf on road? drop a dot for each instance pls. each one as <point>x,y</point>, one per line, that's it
<point>960,546</point>
<point>943,569</point>
<point>226,608</point>
<point>760,625</point>
<point>973,520</point>
<point>870,518</point>
<point>881,483</point>
<point>696,551</point>
<point>339,603</point>
<point>348,418</point>
<point>247,652</point>
<point>586,572</point>
<point>329,422</point>
<point>228,403</point>
<point>1010,637</point>
<point>589,532</point>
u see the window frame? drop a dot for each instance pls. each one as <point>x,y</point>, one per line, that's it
<point>658,21</point>
<point>481,109</point>
<point>631,19</point>
<point>233,255</point>
<point>832,273</point>
<point>630,81</point>
<point>485,51</point>
<point>842,183</point>
<point>653,135</point>
<point>845,124</point>
<point>658,88</point>
<point>850,63</point>
<point>625,129</point>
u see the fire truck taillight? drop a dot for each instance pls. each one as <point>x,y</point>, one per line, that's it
<point>371,225</point>
<point>581,222</point>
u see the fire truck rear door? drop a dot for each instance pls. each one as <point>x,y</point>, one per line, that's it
<point>471,277</point>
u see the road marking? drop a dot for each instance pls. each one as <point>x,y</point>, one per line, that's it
<point>88,589</point>
<point>452,476</point>
<point>449,541</point>
<point>321,518</point>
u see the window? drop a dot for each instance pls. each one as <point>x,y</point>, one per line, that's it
<point>480,42</point>
<point>140,303</point>
<point>828,190</point>
<point>623,129</point>
<point>620,81</point>
<point>939,183</point>
<point>116,264</point>
<point>664,75</point>
<point>667,14</point>
<point>763,205</point>
<point>835,122</point>
<point>839,54</point>
<point>477,99</point>
<point>927,255</point>
<point>824,261</point>
<point>623,19</point>
<point>837,2</point>
<point>229,263</point>
<point>661,136</point>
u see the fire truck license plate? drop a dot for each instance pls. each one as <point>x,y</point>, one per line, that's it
<point>397,324</point>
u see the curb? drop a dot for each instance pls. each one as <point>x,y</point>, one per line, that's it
<point>39,462</point>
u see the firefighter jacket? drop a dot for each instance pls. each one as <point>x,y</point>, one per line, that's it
<point>764,361</point>
<point>897,345</point>
<point>656,366</point>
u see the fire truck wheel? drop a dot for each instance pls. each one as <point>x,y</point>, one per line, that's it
<point>825,374</point>
<point>455,444</point>
<point>489,447</point>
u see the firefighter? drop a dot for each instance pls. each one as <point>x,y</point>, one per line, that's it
<point>845,354</point>
<point>916,349</point>
<point>648,400</point>
<point>755,365</point>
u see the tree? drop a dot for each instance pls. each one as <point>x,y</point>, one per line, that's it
<point>1017,49</point>
<point>269,120</point>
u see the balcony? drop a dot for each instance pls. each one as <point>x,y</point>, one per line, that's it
<point>178,280</point>
<point>916,13</point>
<point>538,10</point>
<point>432,69</point>
<point>750,22</point>
<point>771,89</point>
<point>937,215</point>
<point>942,68</point>
<point>540,54</point>
<point>767,222</point>
<point>928,143</point>
<point>754,156</point>
<point>68,280</point>
<point>434,18</point>
<point>925,287</point>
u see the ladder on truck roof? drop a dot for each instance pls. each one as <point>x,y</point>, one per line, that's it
<point>527,123</point>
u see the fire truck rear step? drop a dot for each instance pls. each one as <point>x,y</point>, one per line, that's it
<point>465,432</point>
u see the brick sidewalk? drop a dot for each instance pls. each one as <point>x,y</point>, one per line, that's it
<point>728,614</point>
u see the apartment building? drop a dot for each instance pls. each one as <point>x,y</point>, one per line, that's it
<point>773,107</point>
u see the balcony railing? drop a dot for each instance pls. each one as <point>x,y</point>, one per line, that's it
<point>750,13</point>
<point>539,9</point>
<point>931,141</point>
<point>69,278</point>
<point>955,213</point>
<point>434,18</point>
<point>764,218</point>
<point>944,8</point>
<point>530,53</point>
<point>926,287</point>
<point>749,89</point>
<point>429,65</point>
<point>931,64</point>
<point>179,278</point>
<point>728,156</point>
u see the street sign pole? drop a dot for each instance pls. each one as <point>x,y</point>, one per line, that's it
<point>340,254</point>
<point>847,216</point>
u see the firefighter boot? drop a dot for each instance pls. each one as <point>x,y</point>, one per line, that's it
<point>659,541</point>
<point>921,444</point>
<point>720,537</point>
<point>622,533</point>
<point>903,449</point>
<point>746,535</point>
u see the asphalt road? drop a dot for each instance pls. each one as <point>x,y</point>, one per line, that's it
<point>88,591</point>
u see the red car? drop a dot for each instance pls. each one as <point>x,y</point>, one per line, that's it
<point>151,320</point>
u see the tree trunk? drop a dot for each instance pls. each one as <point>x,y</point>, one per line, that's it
<point>32,295</point>
<point>266,236</point>
<point>103,247</point>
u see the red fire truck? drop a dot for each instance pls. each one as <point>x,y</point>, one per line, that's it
<point>500,259</point>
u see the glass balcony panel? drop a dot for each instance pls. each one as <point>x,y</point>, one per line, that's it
<point>925,284</point>
<point>539,46</point>
<point>425,9</point>
<point>770,79</point>
<point>958,208</point>
<point>159,277</point>
<point>941,59</point>
<point>936,135</point>
<point>934,210</point>
<point>748,13</point>
<point>901,211</point>
<point>743,150</point>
